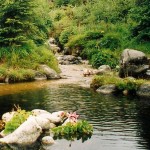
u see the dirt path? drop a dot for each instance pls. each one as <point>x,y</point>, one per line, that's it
<point>73,74</point>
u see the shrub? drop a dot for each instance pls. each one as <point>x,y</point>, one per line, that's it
<point>104,58</point>
<point>129,84</point>
<point>98,81</point>
<point>64,36</point>
<point>111,41</point>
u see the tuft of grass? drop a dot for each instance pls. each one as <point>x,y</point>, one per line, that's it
<point>20,75</point>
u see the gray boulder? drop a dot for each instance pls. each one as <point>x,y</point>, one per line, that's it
<point>107,89</point>
<point>133,63</point>
<point>144,90</point>
<point>49,72</point>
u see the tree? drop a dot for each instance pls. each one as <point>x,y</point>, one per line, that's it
<point>142,16</point>
<point>20,22</point>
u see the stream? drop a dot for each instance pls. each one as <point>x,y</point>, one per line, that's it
<point>120,123</point>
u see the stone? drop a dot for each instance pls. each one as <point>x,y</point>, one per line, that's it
<point>107,89</point>
<point>104,68</point>
<point>52,40</point>
<point>37,112</point>
<point>39,76</point>
<point>133,63</point>
<point>68,59</point>
<point>49,72</point>
<point>26,134</point>
<point>144,90</point>
<point>48,140</point>
<point>8,116</point>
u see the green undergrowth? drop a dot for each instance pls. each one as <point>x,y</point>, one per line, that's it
<point>121,84</point>
<point>19,67</point>
<point>79,130</point>
<point>19,117</point>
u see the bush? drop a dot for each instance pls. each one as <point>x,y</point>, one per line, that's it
<point>111,41</point>
<point>64,36</point>
<point>104,58</point>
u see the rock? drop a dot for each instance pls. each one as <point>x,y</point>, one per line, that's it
<point>50,73</point>
<point>69,59</point>
<point>53,45</point>
<point>107,89</point>
<point>40,76</point>
<point>27,133</point>
<point>37,112</point>
<point>52,40</point>
<point>144,90</point>
<point>54,48</point>
<point>43,122</point>
<point>104,68</point>
<point>8,116</point>
<point>48,140</point>
<point>87,72</point>
<point>133,63</point>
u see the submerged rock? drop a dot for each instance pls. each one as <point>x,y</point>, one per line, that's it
<point>107,89</point>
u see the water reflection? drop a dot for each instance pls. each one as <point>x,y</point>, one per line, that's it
<point>120,123</point>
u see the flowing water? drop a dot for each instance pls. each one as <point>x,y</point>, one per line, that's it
<point>120,123</point>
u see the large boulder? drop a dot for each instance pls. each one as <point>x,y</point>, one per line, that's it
<point>133,63</point>
<point>49,72</point>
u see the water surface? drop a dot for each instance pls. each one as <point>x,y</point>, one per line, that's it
<point>120,123</point>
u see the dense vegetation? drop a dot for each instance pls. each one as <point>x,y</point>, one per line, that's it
<point>97,30</point>
<point>24,29</point>
<point>100,29</point>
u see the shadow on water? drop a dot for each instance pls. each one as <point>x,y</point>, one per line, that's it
<point>119,122</point>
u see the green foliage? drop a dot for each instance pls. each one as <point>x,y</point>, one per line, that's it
<point>3,72</point>
<point>80,130</point>
<point>64,36</point>
<point>111,41</point>
<point>20,75</point>
<point>141,14</point>
<point>129,84</point>
<point>98,81</point>
<point>104,58</point>
<point>19,117</point>
<point>22,21</point>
